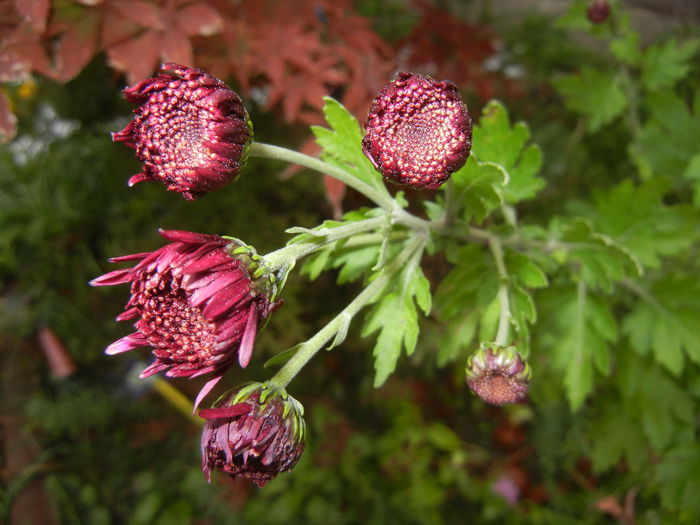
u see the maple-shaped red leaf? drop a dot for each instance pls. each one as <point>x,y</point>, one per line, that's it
<point>75,46</point>
<point>8,121</point>
<point>144,14</point>
<point>137,57</point>
<point>35,12</point>
<point>199,20</point>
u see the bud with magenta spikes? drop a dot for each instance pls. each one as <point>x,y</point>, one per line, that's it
<point>255,432</point>
<point>497,374</point>
<point>191,131</point>
<point>418,131</point>
<point>199,302</point>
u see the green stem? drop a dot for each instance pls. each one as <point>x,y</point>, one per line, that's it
<point>268,151</point>
<point>341,321</point>
<point>503,297</point>
<point>287,255</point>
<point>379,195</point>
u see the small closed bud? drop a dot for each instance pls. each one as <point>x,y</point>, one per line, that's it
<point>418,131</point>
<point>255,432</point>
<point>191,131</point>
<point>598,11</point>
<point>498,375</point>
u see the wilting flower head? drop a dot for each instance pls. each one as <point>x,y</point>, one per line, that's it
<point>418,131</point>
<point>190,131</point>
<point>256,433</point>
<point>199,302</point>
<point>598,11</point>
<point>498,375</point>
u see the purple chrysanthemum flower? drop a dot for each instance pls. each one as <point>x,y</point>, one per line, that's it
<point>498,375</point>
<point>190,131</point>
<point>255,432</point>
<point>199,301</point>
<point>418,131</point>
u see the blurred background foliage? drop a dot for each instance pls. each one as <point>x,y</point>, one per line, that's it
<point>84,441</point>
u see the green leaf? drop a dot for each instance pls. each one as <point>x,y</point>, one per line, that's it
<point>342,144</point>
<point>666,63</point>
<point>395,317</point>
<point>652,151</point>
<point>665,321</point>
<point>496,141</point>
<point>478,188</point>
<point>596,95</point>
<point>679,484</point>
<point>602,260</point>
<point>586,328</point>
<point>616,435</point>
<point>626,47</point>
<point>636,217</point>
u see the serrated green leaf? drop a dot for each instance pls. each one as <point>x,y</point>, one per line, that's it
<point>679,484</point>
<point>342,144</point>
<point>665,63</point>
<point>496,141</point>
<point>626,47</point>
<point>478,189</point>
<point>587,328</point>
<point>396,319</point>
<point>603,261</point>
<point>525,270</point>
<point>597,95</point>
<point>616,435</point>
<point>636,217</point>
<point>665,321</point>
<point>459,334</point>
<point>652,151</point>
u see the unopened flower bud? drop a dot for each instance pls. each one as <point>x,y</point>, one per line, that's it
<point>598,11</point>
<point>498,375</point>
<point>255,432</point>
<point>418,131</point>
<point>191,131</point>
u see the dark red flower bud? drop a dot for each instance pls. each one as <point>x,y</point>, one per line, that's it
<point>256,433</point>
<point>598,11</point>
<point>199,300</point>
<point>418,131</point>
<point>190,131</point>
<point>498,375</point>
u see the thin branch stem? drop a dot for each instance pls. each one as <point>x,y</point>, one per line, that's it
<point>341,321</point>
<point>505,315</point>
<point>268,151</point>
<point>287,255</point>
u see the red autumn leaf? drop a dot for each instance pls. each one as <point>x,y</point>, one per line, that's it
<point>115,28</point>
<point>8,121</point>
<point>199,19</point>
<point>35,11</point>
<point>144,14</point>
<point>137,57</point>
<point>175,47</point>
<point>335,191</point>
<point>12,67</point>
<point>75,48</point>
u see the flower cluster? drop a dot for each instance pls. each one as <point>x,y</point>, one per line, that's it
<point>255,432</point>
<point>200,300</point>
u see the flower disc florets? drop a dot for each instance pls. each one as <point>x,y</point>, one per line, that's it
<point>199,302</point>
<point>190,131</point>
<point>498,375</point>
<point>255,432</point>
<point>418,131</point>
